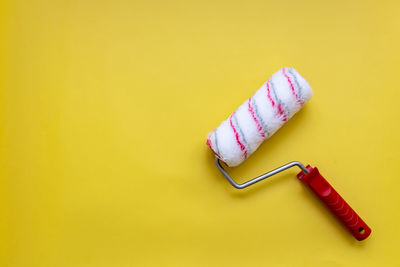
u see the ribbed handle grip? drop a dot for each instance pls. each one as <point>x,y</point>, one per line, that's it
<point>335,203</point>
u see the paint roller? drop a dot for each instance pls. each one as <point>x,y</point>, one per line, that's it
<point>259,117</point>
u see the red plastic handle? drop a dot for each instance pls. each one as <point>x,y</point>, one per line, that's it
<point>335,203</point>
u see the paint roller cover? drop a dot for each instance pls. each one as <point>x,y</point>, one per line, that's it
<point>259,117</point>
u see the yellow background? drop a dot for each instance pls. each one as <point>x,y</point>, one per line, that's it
<point>105,107</point>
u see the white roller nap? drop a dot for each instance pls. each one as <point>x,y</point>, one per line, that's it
<point>260,116</point>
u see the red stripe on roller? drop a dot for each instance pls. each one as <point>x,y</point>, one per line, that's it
<point>259,127</point>
<point>242,147</point>
<point>269,95</point>
<point>280,109</point>
<point>282,113</point>
<point>208,143</point>
<point>290,83</point>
